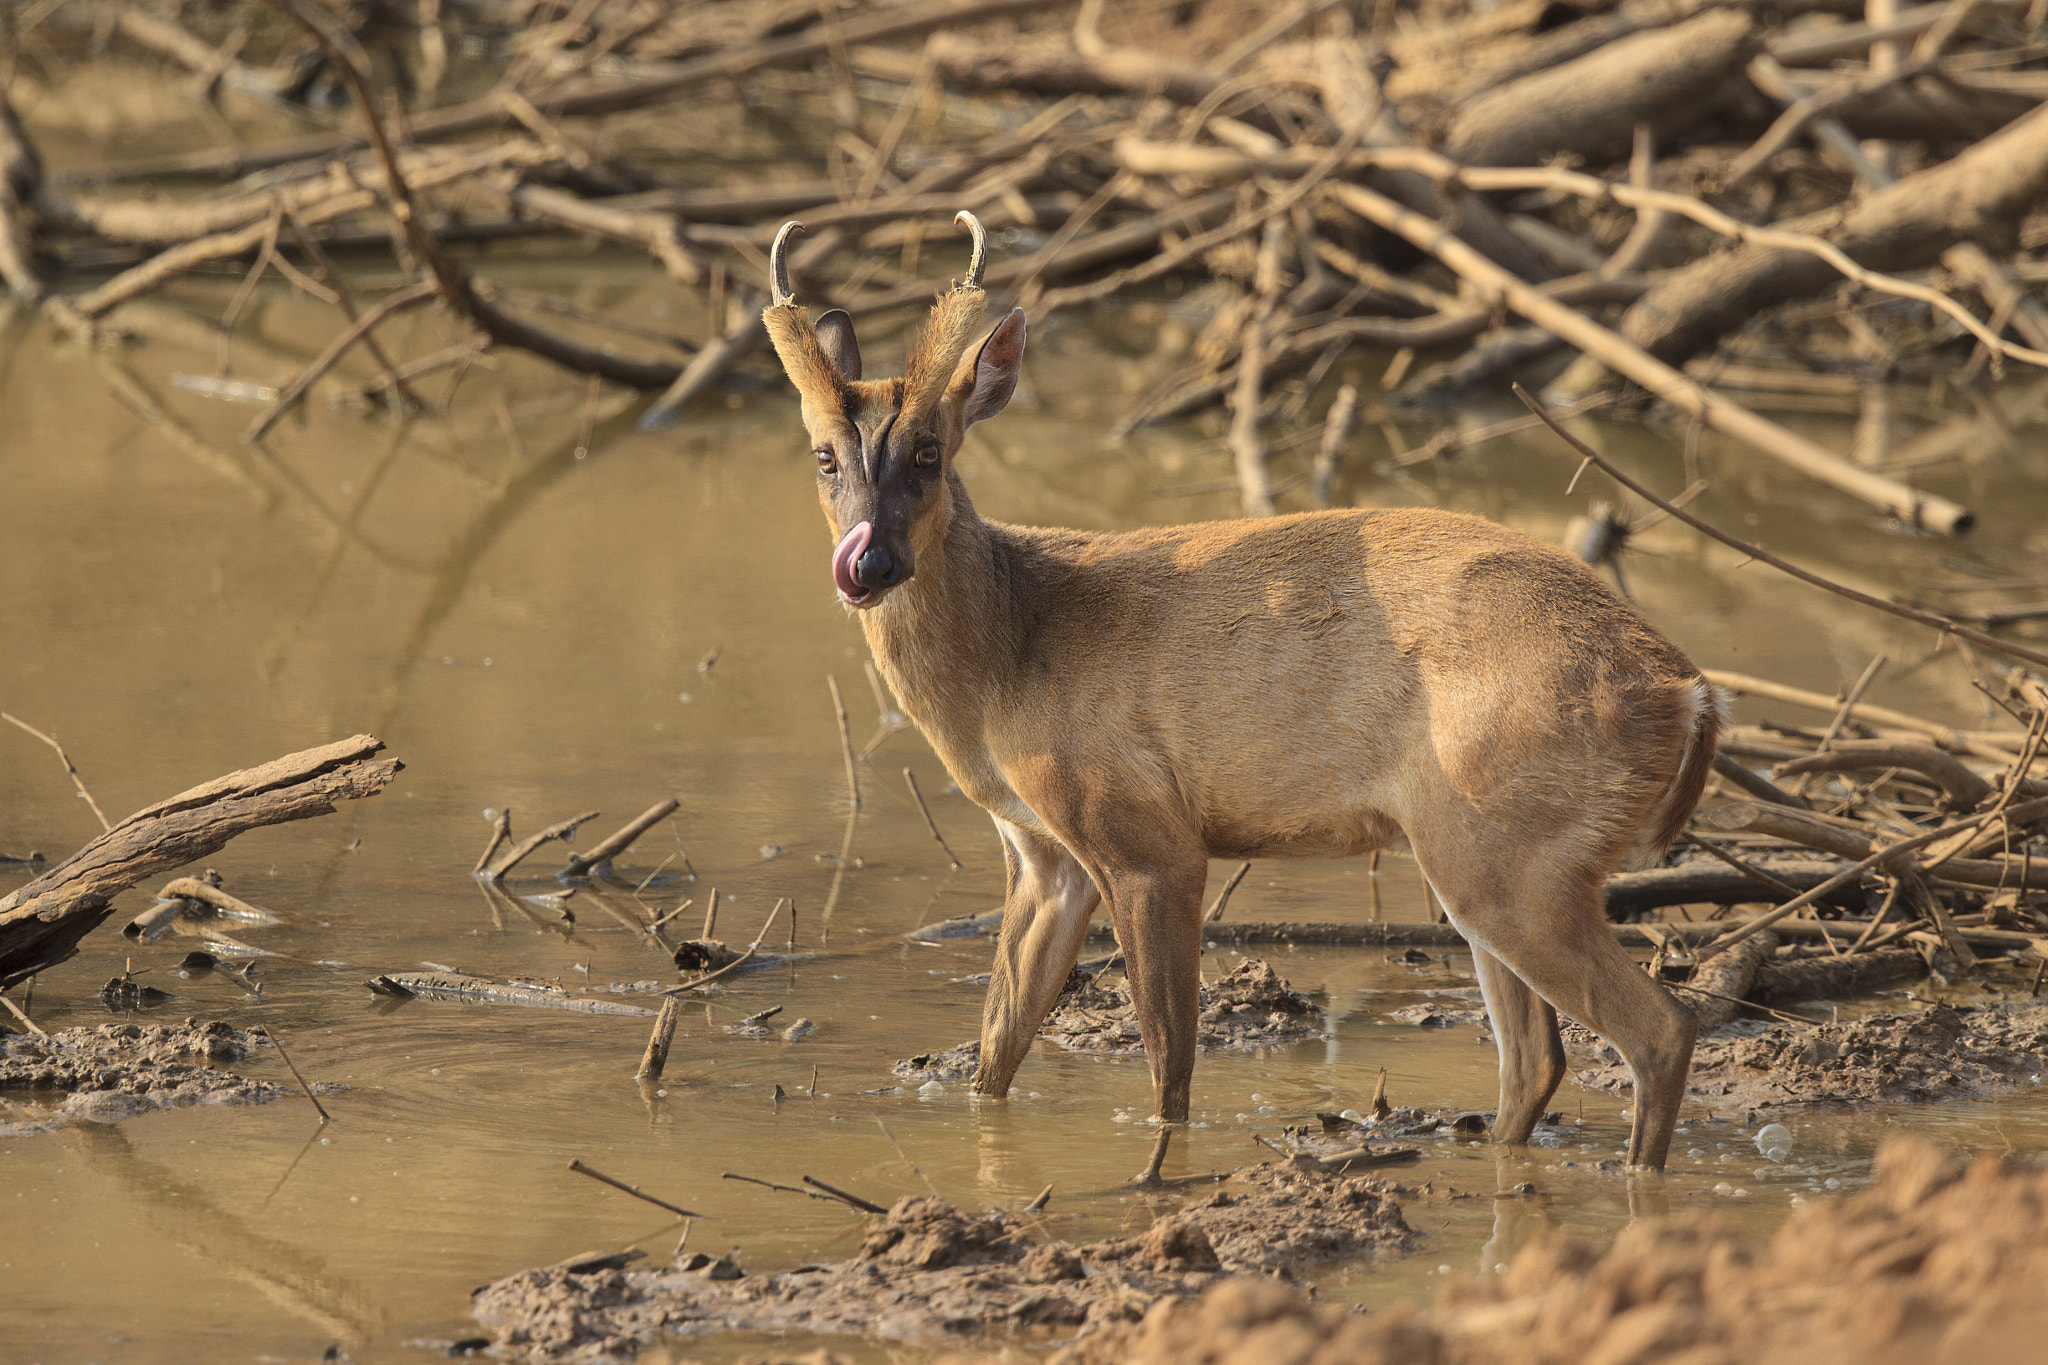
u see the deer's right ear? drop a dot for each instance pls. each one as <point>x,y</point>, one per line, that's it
<point>992,372</point>
<point>835,334</point>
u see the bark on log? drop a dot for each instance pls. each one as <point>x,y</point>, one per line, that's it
<point>1978,196</point>
<point>1730,975</point>
<point>1965,788</point>
<point>1817,978</point>
<point>1666,78</point>
<point>42,922</point>
<point>1713,883</point>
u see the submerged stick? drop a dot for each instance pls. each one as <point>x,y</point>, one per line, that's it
<point>564,830</point>
<point>864,1205</point>
<point>733,965</point>
<point>620,841</point>
<point>845,741</point>
<point>601,1178</point>
<point>929,823</point>
<point>915,1169</point>
<point>65,759</point>
<point>501,834</point>
<point>278,1043</point>
<point>655,1060</point>
<point>18,1013</point>
<point>784,1189</point>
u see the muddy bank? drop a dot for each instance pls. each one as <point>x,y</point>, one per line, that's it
<point>117,1071</point>
<point>1251,1006</point>
<point>1938,1263</point>
<point>926,1271</point>
<point>1945,1053</point>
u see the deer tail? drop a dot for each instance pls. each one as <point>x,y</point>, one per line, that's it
<point>1667,819</point>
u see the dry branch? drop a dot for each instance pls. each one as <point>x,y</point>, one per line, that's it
<point>42,922</point>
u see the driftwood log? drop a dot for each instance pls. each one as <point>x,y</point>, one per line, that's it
<point>41,923</point>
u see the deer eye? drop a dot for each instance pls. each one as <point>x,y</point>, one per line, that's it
<point>926,454</point>
<point>828,463</point>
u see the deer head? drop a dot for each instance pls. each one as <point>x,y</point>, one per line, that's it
<point>885,447</point>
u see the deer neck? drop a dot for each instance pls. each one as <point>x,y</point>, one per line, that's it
<point>942,639</point>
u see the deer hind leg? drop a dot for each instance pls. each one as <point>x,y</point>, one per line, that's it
<point>1531,1053</point>
<point>1550,930</point>
<point>1045,920</point>
<point>1158,916</point>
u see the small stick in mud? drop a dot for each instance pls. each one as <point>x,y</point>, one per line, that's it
<point>915,1169</point>
<point>501,834</point>
<point>1149,1177</point>
<point>1745,1004</point>
<point>929,823</point>
<point>754,1018</point>
<point>814,1065</point>
<point>33,1027</point>
<point>1223,897</point>
<point>65,759</point>
<point>601,1178</point>
<point>655,1060</point>
<point>845,741</point>
<point>671,914</point>
<point>864,1205</point>
<point>565,831</point>
<point>1038,1205</point>
<point>278,1043</point>
<point>1379,1106</point>
<point>619,842</point>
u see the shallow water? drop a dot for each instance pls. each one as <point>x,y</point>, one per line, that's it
<point>522,607</point>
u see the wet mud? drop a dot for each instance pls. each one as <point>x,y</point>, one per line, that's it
<point>1943,1053</point>
<point>1250,1006</point>
<point>926,1271</point>
<point>1938,1263</point>
<point>117,1071</point>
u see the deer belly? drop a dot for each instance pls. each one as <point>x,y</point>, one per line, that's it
<point>1298,835</point>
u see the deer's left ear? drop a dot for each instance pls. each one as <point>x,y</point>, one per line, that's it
<point>986,380</point>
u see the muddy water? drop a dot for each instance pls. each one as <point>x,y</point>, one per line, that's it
<point>537,606</point>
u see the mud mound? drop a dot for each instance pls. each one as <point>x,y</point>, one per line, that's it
<point>1934,1265</point>
<point>117,1071</point>
<point>1943,1053</point>
<point>925,1270</point>
<point>1250,1006</point>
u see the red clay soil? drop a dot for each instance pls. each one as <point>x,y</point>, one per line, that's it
<point>1938,1264</point>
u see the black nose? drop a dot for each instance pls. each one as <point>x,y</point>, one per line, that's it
<point>879,568</point>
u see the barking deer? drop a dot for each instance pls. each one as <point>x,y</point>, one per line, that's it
<point>1128,706</point>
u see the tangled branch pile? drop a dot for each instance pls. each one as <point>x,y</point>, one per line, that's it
<point>1783,199</point>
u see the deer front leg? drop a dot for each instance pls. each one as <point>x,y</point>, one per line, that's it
<point>1045,920</point>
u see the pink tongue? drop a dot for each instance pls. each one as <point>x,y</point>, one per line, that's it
<point>851,548</point>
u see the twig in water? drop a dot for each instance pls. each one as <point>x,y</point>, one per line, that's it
<point>37,1029</point>
<point>1223,897</point>
<point>501,834</point>
<point>786,1189</point>
<point>1757,552</point>
<point>65,759</point>
<point>619,842</point>
<point>1038,1205</point>
<point>915,1169</point>
<point>929,823</point>
<point>671,915</point>
<point>1379,1106</point>
<point>845,741</point>
<point>733,965</point>
<point>655,1060</point>
<point>659,868</point>
<point>634,1190</point>
<point>564,831</point>
<point>710,915</point>
<point>278,1043</point>
<point>864,1205</point>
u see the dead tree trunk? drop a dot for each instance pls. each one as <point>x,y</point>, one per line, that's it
<point>42,922</point>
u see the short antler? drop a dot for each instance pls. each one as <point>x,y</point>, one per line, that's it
<point>979,260</point>
<point>778,264</point>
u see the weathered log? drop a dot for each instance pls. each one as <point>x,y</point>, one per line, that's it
<point>1665,78</point>
<point>1720,982</point>
<point>1978,196</point>
<point>42,922</point>
<point>1818,978</point>
<point>1713,883</point>
<point>1965,788</point>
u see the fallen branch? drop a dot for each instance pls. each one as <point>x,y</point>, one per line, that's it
<point>42,922</point>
